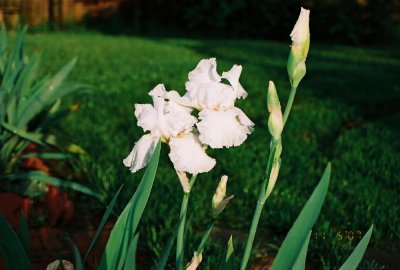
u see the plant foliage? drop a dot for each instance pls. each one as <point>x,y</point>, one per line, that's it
<point>29,104</point>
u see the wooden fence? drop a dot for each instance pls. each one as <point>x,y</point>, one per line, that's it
<point>58,12</point>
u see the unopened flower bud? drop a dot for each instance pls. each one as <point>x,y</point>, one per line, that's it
<point>220,193</point>
<point>196,260</point>
<point>300,36</point>
<point>275,120</point>
<point>218,201</point>
<point>278,148</point>
<point>273,177</point>
<point>272,97</point>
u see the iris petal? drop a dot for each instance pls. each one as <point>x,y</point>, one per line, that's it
<point>206,71</point>
<point>188,155</point>
<point>224,128</point>
<point>146,116</point>
<point>205,89</point>
<point>233,76</point>
<point>141,153</point>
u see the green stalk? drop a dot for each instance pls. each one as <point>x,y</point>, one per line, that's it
<point>257,212</point>
<point>262,196</point>
<point>205,238</point>
<point>289,104</point>
<point>181,232</point>
<point>180,242</point>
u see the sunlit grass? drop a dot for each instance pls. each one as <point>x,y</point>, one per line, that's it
<point>346,110</point>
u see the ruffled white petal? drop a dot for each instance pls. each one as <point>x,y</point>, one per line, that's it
<point>141,153</point>
<point>146,117</point>
<point>158,91</point>
<point>210,95</point>
<point>233,76</point>
<point>175,97</point>
<point>165,118</point>
<point>224,128</point>
<point>205,89</point>
<point>244,120</point>
<point>162,128</point>
<point>206,71</point>
<point>178,119</point>
<point>188,155</point>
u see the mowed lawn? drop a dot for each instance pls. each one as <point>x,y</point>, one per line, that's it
<point>346,111</point>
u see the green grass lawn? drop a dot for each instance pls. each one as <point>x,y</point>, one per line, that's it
<point>346,111</point>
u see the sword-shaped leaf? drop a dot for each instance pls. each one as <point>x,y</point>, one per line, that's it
<point>11,249</point>
<point>355,258</point>
<point>125,227</point>
<point>296,237</point>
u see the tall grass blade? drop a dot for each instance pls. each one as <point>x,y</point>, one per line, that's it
<point>44,178</point>
<point>11,249</point>
<point>162,261</point>
<point>47,155</point>
<point>21,86</point>
<point>125,227</point>
<point>355,258</point>
<point>3,39</point>
<point>28,76</point>
<point>33,137</point>
<point>103,221</point>
<point>296,237</point>
<point>49,92</point>
<point>78,265</point>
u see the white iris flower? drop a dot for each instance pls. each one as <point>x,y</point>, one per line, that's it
<point>173,124</point>
<point>222,124</point>
<point>169,119</point>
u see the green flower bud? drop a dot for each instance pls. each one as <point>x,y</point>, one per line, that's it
<point>278,150</point>
<point>272,97</point>
<point>273,177</point>
<point>300,35</point>
<point>275,120</point>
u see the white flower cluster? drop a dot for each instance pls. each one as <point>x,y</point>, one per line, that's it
<point>169,119</point>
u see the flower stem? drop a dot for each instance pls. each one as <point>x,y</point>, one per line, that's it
<point>180,242</point>
<point>257,213</point>
<point>252,233</point>
<point>262,197</point>
<point>289,105</point>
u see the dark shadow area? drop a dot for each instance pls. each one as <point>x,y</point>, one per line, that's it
<point>342,74</point>
<point>358,22</point>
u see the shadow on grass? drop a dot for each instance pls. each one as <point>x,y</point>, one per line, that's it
<point>358,77</point>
